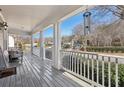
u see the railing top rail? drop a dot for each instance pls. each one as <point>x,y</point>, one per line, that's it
<point>93,53</point>
<point>76,51</point>
<point>112,56</point>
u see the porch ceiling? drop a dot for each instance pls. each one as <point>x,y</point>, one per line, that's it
<point>28,17</point>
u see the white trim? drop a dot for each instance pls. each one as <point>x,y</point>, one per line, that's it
<point>79,81</point>
<point>46,59</point>
<point>83,78</point>
<point>45,28</point>
<point>18,32</point>
<point>81,9</point>
<point>37,29</point>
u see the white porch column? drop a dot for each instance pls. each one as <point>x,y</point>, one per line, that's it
<point>31,43</point>
<point>57,46</point>
<point>42,50</point>
<point>5,40</point>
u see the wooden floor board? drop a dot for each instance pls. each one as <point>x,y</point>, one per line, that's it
<point>34,72</point>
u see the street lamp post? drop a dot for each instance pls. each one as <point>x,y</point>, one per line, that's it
<point>87,30</point>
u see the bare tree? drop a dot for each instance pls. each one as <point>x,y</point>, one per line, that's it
<point>104,33</point>
<point>78,30</point>
<point>117,10</point>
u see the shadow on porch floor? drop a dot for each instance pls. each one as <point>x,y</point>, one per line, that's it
<point>33,72</point>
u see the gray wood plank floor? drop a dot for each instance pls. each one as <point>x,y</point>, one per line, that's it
<point>33,72</point>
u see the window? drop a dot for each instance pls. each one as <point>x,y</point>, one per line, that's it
<point>11,41</point>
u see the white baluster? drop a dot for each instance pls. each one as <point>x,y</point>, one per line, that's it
<point>67,60</point>
<point>97,69</point>
<point>103,70</point>
<point>78,59</point>
<point>116,68</point>
<point>75,62</point>
<point>109,72</point>
<point>68,57</point>
<point>81,64</point>
<point>92,69</point>
<point>88,65</point>
<point>62,59</point>
<point>84,65</point>
<point>72,62</point>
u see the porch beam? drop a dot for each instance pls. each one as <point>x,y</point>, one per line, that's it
<point>75,12</point>
<point>18,31</point>
<point>57,46</point>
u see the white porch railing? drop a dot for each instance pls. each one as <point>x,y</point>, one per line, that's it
<point>97,70</point>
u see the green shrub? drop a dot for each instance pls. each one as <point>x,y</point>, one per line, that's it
<point>113,74</point>
<point>106,49</point>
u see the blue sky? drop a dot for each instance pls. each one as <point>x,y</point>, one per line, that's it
<point>67,25</point>
<point>36,35</point>
<point>48,32</point>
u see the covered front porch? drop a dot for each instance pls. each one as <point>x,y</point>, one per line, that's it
<point>54,61</point>
<point>36,70</point>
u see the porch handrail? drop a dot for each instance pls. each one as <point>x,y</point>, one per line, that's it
<point>94,68</point>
